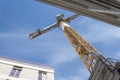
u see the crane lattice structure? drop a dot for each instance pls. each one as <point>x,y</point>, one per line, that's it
<point>88,54</point>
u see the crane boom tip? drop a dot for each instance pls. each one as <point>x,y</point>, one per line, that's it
<point>35,34</point>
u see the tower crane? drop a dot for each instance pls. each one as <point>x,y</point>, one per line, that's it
<point>91,58</point>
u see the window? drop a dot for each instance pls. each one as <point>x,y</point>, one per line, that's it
<point>42,75</point>
<point>16,71</point>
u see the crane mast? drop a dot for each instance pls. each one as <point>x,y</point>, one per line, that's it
<point>99,67</point>
<point>87,53</point>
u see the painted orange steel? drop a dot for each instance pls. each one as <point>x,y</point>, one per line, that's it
<point>88,54</point>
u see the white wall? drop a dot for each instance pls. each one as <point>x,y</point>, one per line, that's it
<point>29,74</point>
<point>5,69</point>
<point>50,76</point>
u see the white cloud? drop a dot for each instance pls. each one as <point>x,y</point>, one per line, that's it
<point>13,35</point>
<point>117,55</point>
<point>63,55</point>
<point>96,31</point>
<point>107,36</point>
<point>81,74</point>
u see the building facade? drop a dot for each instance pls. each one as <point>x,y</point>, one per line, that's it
<point>16,70</point>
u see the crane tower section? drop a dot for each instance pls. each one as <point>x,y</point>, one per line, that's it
<point>99,67</point>
<point>87,53</point>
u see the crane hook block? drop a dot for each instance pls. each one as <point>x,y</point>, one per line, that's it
<point>35,34</point>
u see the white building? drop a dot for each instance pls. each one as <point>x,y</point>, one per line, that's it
<point>16,70</point>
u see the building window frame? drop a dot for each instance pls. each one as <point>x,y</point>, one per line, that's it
<point>15,72</point>
<point>42,75</point>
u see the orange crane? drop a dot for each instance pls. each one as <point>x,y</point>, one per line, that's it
<point>87,53</point>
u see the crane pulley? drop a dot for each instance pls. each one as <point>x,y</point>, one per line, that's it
<point>88,54</point>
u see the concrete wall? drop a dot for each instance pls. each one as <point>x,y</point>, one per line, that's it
<point>102,72</point>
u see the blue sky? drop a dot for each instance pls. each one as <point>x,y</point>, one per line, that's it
<point>20,17</point>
